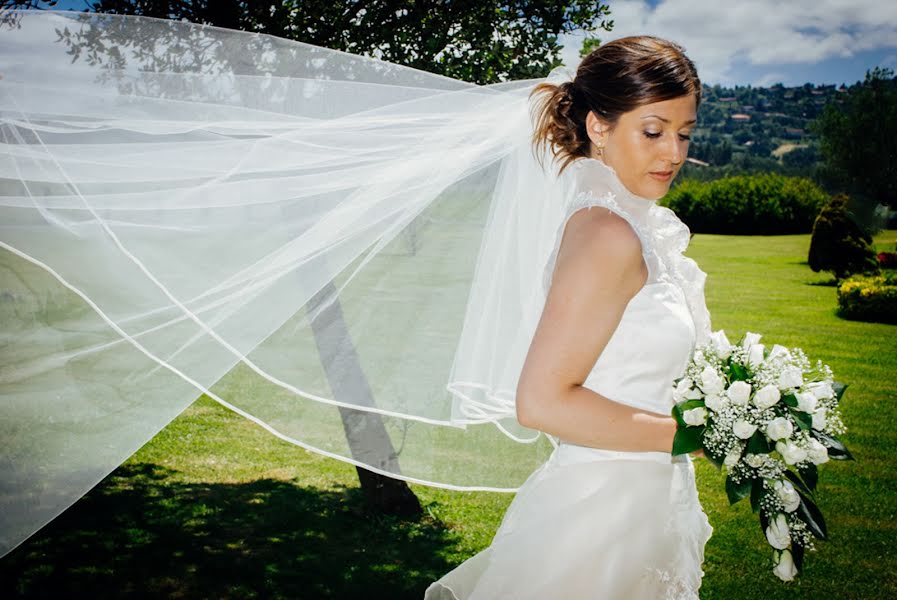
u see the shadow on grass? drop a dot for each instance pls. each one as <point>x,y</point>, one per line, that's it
<point>142,534</point>
<point>833,282</point>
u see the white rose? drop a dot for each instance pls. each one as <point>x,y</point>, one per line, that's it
<point>791,377</point>
<point>817,452</point>
<point>715,402</point>
<point>777,533</point>
<point>732,457</point>
<point>749,340</point>
<point>755,461</point>
<point>755,355</point>
<point>778,350</point>
<point>806,402</point>
<point>739,393</point>
<point>785,569</point>
<point>744,429</point>
<point>721,344</point>
<point>767,396</point>
<point>779,428</point>
<point>695,416</point>
<point>822,389</point>
<point>787,494</point>
<point>711,381</point>
<point>683,386</point>
<point>693,394</point>
<point>819,419</point>
<point>791,452</point>
<point>699,358</point>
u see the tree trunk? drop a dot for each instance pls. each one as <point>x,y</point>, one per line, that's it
<point>365,431</point>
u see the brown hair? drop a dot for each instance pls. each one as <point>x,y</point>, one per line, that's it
<point>613,79</point>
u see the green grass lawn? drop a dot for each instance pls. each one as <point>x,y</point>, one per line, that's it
<point>215,507</point>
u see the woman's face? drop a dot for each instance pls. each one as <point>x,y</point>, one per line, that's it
<point>648,145</point>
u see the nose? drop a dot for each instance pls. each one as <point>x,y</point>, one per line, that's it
<point>676,150</point>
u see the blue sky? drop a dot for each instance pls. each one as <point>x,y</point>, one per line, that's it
<point>757,42</point>
<point>761,42</point>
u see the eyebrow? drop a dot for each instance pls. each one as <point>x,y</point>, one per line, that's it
<point>667,120</point>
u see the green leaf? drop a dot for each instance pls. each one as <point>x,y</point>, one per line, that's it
<point>737,372</point>
<point>798,482</point>
<point>716,461</point>
<point>810,475</point>
<point>836,450</point>
<point>839,388</point>
<point>677,414</point>
<point>759,444</point>
<point>809,513</point>
<point>804,421</point>
<point>790,400</point>
<point>764,522</point>
<point>687,439</point>
<point>737,491</point>
<point>690,404</point>
<point>758,490</point>
<point>797,554</point>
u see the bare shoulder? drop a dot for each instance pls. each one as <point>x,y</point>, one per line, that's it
<point>599,244</point>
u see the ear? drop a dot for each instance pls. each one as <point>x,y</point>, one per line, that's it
<point>596,129</point>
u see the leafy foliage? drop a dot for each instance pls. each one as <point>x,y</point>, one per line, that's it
<point>763,204</point>
<point>857,138</point>
<point>838,243</point>
<point>472,40</point>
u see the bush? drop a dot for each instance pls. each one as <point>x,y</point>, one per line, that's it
<point>765,204</point>
<point>838,244</point>
<point>887,260</point>
<point>869,298</point>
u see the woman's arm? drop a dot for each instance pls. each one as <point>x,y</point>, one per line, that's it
<point>599,269</point>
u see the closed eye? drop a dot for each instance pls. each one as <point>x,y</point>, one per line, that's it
<point>652,135</point>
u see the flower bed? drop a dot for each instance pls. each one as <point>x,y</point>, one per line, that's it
<point>869,298</point>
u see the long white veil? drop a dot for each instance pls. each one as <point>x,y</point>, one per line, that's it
<point>291,230</point>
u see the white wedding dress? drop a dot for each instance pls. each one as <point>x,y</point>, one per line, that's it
<point>594,523</point>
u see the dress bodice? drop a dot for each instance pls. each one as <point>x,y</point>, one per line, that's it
<point>666,318</point>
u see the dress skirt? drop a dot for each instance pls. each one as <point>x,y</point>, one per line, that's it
<point>593,523</point>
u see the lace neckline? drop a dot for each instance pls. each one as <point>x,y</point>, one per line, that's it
<point>639,201</point>
<point>636,205</point>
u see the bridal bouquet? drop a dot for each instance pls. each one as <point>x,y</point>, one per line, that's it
<point>768,418</point>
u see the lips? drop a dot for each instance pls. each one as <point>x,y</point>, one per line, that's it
<point>661,175</point>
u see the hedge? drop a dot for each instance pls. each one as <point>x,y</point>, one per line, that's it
<point>765,204</point>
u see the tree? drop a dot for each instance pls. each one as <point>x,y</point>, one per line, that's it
<point>590,43</point>
<point>838,244</point>
<point>480,41</point>
<point>858,139</point>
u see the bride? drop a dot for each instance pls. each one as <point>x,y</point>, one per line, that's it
<point>611,514</point>
<point>462,286</point>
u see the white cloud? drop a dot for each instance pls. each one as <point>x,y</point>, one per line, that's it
<point>718,34</point>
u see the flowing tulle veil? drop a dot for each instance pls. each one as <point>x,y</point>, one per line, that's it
<point>346,251</point>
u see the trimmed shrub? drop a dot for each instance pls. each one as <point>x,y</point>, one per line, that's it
<point>765,204</point>
<point>869,298</point>
<point>838,244</point>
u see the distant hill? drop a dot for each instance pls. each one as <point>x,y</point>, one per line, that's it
<point>748,129</point>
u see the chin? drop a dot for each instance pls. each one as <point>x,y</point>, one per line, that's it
<point>655,193</point>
